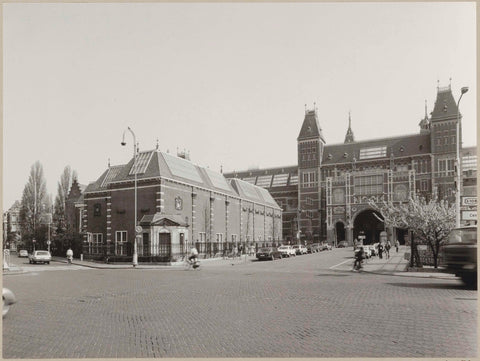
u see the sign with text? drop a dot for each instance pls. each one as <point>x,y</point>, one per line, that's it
<point>469,215</point>
<point>469,201</point>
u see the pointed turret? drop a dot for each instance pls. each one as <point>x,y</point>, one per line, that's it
<point>425,122</point>
<point>349,137</point>
<point>310,128</point>
<point>445,105</point>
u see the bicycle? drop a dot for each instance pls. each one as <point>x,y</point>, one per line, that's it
<point>192,264</point>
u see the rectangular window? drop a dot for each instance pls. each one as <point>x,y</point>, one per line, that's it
<point>121,243</point>
<point>424,185</point>
<point>309,179</point>
<point>97,241</point>
<point>97,209</point>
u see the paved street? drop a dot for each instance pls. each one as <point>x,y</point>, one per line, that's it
<point>307,306</point>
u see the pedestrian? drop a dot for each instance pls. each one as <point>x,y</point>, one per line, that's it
<point>380,250</point>
<point>240,249</point>
<point>235,251</point>
<point>387,249</point>
<point>69,255</point>
<point>397,244</point>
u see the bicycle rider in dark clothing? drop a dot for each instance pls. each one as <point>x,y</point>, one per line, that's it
<point>359,256</point>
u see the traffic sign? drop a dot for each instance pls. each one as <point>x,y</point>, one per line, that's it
<point>49,242</point>
<point>138,229</point>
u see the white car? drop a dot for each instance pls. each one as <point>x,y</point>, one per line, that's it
<point>23,253</point>
<point>286,251</point>
<point>299,249</point>
<point>40,257</point>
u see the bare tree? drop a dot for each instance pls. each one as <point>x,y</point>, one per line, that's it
<point>63,188</point>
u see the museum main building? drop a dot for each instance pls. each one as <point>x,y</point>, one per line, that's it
<point>326,196</point>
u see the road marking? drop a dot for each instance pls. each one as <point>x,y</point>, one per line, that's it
<point>348,260</point>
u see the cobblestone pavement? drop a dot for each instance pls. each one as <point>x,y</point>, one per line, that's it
<point>296,307</point>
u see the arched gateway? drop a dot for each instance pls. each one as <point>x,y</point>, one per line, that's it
<point>367,222</point>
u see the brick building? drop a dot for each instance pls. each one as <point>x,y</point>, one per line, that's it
<point>332,183</point>
<point>178,203</point>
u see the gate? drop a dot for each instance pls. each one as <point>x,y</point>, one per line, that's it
<point>165,247</point>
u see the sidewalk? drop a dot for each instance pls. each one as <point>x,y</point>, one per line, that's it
<point>397,265</point>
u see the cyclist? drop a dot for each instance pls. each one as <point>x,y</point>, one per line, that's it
<point>193,255</point>
<point>359,256</point>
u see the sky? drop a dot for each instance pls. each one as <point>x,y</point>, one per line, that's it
<point>228,82</point>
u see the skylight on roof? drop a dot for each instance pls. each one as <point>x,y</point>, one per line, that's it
<point>373,152</point>
<point>293,179</point>
<point>141,164</point>
<point>218,180</point>
<point>280,180</point>
<point>112,173</point>
<point>182,168</point>
<point>264,180</point>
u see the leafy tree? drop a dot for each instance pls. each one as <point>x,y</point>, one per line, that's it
<point>34,198</point>
<point>430,220</point>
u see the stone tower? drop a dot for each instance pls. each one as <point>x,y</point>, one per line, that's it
<point>310,151</point>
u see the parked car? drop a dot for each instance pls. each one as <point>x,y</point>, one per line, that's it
<point>268,253</point>
<point>23,253</point>
<point>342,244</point>
<point>460,251</point>
<point>325,246</point>
<point>286,251</point>
<point>299,249</point>
<point>313,248</point>
<point>40,257</point>
<point>8,300</point>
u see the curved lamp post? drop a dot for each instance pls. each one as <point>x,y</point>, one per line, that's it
<point>135,255</point>
<point>459,171</point>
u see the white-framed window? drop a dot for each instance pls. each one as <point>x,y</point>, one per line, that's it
<point>121,243</point>
<point>203,237</point>
<point>97,241</point>
<point>309,179</point>
<point>424,185</point>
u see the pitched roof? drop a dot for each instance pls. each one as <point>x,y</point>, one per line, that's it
<point>310,127</point>
<point>154,164</point>
<point>408,145</point>
<point>445,105</point>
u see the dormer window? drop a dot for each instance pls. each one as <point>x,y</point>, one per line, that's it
<point>345,155</point>
<point>329,156</point>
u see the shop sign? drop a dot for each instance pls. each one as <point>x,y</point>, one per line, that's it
<point>469,201</point>
<point>469,215</point>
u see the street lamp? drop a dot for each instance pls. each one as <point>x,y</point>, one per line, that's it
<point>459,172</point>
<point>135,255</point>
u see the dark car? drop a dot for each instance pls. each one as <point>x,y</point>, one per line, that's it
<point>460,252</point>
<point>268,253</point>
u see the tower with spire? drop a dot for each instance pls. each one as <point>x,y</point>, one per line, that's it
<point>443,138</point>
<point>425,122</point>
<point>311,144</point>
<point>349,138</point>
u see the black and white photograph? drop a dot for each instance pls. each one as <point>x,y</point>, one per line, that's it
<point>239,180</point>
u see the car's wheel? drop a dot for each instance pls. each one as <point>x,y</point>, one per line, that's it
<point>30,261</point>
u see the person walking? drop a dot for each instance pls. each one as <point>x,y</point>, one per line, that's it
<point>69,255</point>
<point>397,244</point>
<point>387,249</point>
<point>380,250</point>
